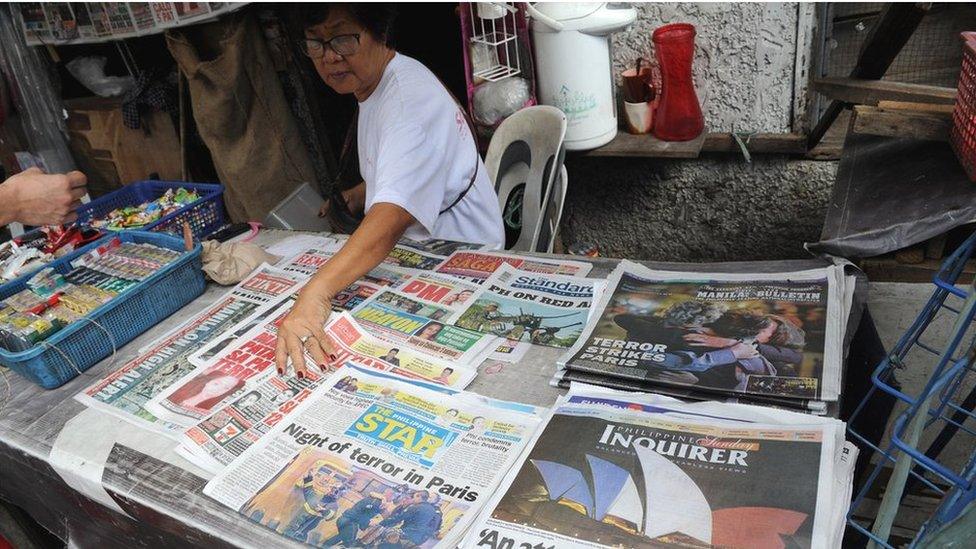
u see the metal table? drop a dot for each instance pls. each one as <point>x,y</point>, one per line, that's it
<point>99,481</point>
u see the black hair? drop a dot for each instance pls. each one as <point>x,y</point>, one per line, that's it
<point>377,18</point>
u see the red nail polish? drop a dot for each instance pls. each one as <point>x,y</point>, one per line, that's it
<point>300,375</point>
<point>281,372</point>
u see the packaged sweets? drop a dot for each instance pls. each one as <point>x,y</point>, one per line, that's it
<point>134,217</point>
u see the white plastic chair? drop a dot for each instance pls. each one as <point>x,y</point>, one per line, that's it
<point>525,162</point>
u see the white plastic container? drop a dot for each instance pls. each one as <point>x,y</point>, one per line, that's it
<point>572,55</point>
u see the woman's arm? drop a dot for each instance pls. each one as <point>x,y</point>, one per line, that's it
<point>366,248</point>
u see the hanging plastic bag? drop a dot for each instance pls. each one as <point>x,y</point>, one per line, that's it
<point>90,71</point>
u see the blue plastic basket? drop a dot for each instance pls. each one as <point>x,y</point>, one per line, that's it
<point>26,275</point>
<point>205,216</point>
<point>83,344</point>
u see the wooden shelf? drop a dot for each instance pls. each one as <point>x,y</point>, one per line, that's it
<point>629,145</point>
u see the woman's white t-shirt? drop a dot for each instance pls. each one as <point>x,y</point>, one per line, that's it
<point>416,151</point>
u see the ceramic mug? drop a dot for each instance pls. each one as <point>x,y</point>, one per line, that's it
<point>639,117</point>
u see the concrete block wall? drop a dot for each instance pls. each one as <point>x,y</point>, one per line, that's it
<point>717,207</point>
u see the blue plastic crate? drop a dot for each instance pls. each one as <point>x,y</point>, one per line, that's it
<point>205,216</point>
<point>937,416</point>
<point>83,344</point>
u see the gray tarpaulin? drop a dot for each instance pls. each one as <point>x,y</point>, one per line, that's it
<point>892,193</point>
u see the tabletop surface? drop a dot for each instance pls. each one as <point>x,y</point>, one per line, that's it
<point>47,439</point>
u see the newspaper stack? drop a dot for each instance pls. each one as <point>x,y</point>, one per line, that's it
<point>615,469</point>
<point>243,417</point>
<point>249,361</point>
<point>125,392</point>
<point>266,293</point>
<point>774,339</point>
<point>373,460</point>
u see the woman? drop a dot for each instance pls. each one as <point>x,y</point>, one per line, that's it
<point>423,177</point>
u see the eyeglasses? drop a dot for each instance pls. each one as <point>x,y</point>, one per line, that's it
<point>344,44</point>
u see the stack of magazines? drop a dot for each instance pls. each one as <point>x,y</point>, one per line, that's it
<point>773,339</point>
<point>615,469</point>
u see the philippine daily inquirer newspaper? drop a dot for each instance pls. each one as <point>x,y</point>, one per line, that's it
<point>619,469</point>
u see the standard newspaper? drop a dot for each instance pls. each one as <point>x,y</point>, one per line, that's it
<point>242,420</point>
<point>775,334</point>
<point>125,392</point>
<point>373,460</point>
<point>616,469</point>
<point>543,309</point>
<point>232,371</point>
<point>478,266</point>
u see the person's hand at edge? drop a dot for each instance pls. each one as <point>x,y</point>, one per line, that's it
<point>32,197</point>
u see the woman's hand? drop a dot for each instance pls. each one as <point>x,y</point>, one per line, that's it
<point>304,329</point>
<point>355,198</point>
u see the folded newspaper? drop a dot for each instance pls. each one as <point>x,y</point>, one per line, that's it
<point>416,316</point>
<point>543,309</point>
<point>564,378</point>
<point>383,275</point>
<point>777,334</point>
<point>616,469</point>
<point>125,392</point>
<point>250,359</point>
<point>431,294</point>
<point>413,258</point>
<point>437,246</point>
<point>478,266</point>
<point>374,460</point>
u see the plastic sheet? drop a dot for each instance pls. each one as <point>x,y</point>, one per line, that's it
<point>892,193</point>
<point>34,95</point>
<point>493,101</point>
<point>90,71</point>
<point>140,474</point>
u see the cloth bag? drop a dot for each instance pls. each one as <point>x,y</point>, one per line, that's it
<point>242,114</point>
<point>229,262</point>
